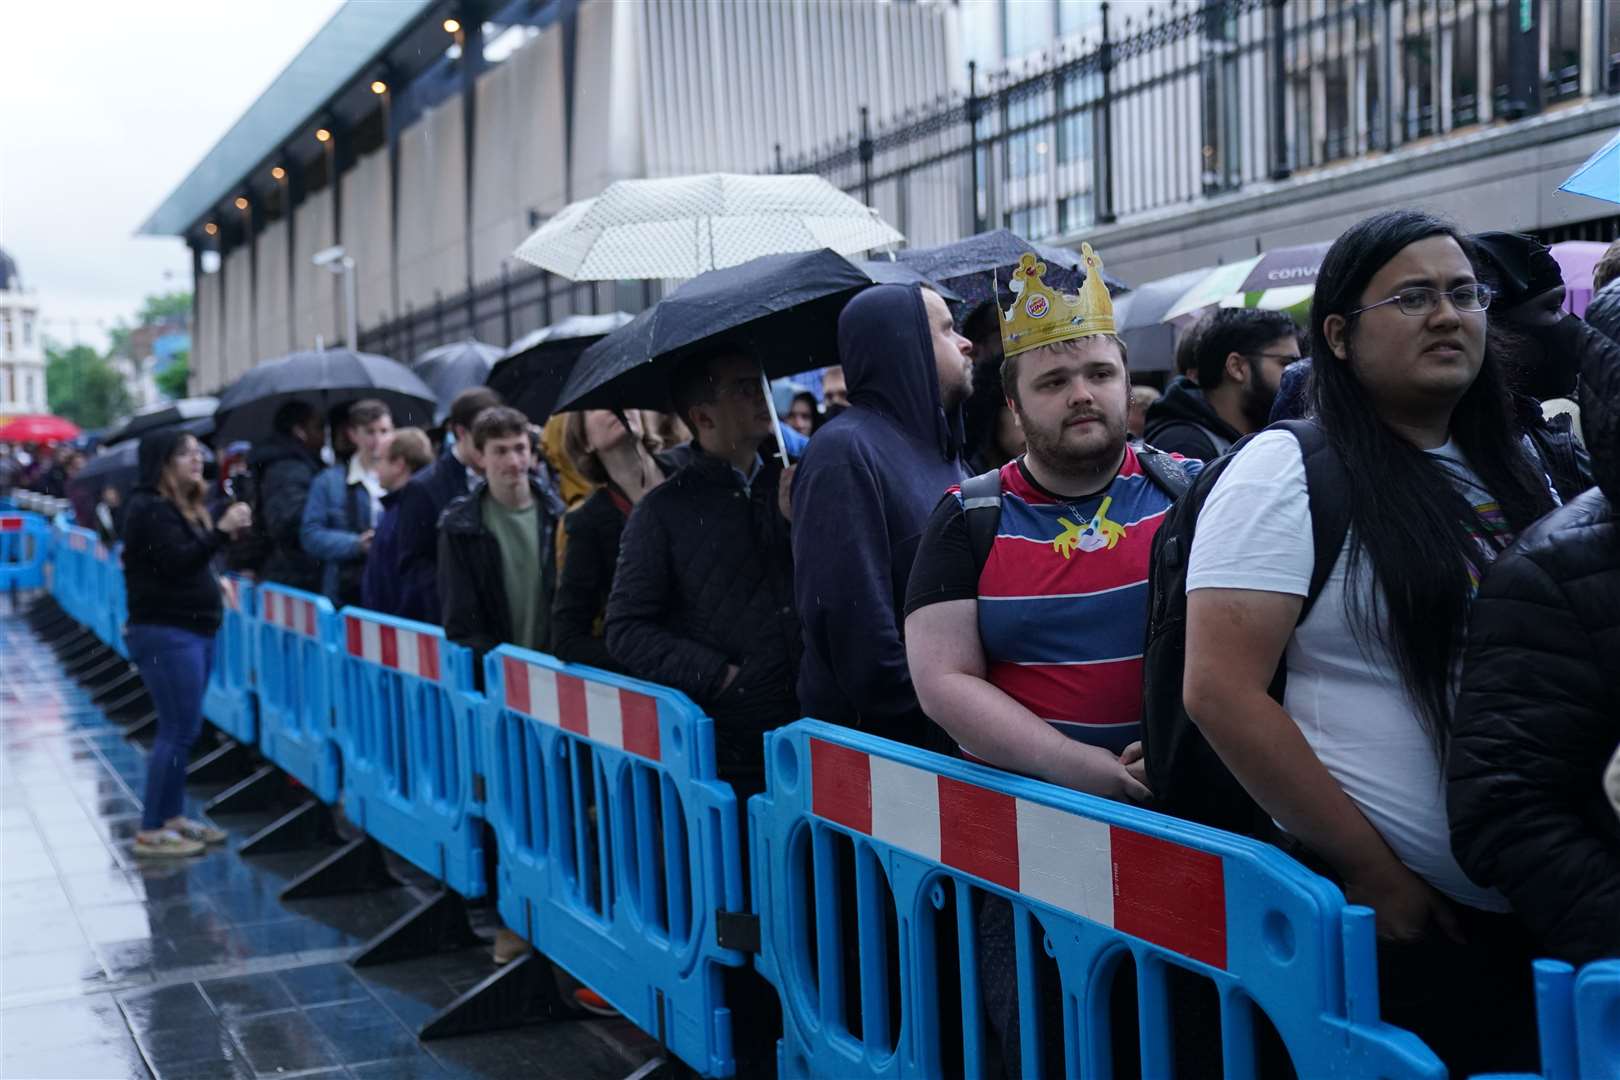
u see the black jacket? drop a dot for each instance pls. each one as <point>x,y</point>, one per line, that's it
<point>470,584</point>
<point>284,470</point>
<point>1538,717</point>
<point>168,579</point>
<point>705,579</point>
<point>1182,422</point>
<point>421,502</point>
<point>862,497</point>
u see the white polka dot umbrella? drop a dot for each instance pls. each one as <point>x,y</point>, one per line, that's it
<point>682,226</point>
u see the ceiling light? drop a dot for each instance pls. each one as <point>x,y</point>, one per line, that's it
<point>241,202</point>
<point>322,135</point>
<point>211,228</point>
<point>451,26</point>
<point>278,173</point>
<point>379,87</point>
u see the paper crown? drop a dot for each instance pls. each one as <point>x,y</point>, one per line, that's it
<point>1040,316</point>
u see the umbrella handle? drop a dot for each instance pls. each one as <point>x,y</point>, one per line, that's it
<point>776,423</point>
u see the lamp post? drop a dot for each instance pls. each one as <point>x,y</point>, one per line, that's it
<point>340,262</point>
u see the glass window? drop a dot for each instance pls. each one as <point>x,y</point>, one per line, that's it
<point>1031,26</point>
<point>1078,16</point>
<point>27,330</point>
<point>5,332</point>
<point>981,33</point>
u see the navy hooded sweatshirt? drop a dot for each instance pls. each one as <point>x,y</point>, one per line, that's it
<point>862,495</point>
<point>168,576</point>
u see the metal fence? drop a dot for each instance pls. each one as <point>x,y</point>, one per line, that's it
<point>1173,103</point>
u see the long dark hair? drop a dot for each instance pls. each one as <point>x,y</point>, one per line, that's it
<point>1410,526</point>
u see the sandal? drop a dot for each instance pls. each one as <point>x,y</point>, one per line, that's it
<point>166,844</point>
<point>199,831</point>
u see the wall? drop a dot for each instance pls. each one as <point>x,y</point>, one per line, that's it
<point>432,197</point>
<point>272,323</point>
<point>366,237</point>
<point>314,289</point>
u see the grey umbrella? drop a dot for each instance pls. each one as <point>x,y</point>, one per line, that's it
<point>166,414</point>
<point>976,265</point>
<point>450,369</point>
<point>325,379</point>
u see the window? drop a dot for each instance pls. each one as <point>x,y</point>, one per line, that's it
<point>28,329</point>
<point>1030,25</point>
<point>5,332</point>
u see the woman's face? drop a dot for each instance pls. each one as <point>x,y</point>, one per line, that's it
<point>802,418</point>
<point>1414,362</point>
<point>186,463</point>
<point>604,431</point>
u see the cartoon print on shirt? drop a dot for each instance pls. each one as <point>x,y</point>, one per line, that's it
<point>1098,533</point>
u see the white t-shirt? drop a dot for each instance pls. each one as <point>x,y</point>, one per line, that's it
<point>1255,533</point>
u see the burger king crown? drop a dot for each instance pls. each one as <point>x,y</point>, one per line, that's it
<point>1040,316</point>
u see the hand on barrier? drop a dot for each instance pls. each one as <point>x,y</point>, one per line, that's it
<point>237,516</point>
<point>1098,772</point>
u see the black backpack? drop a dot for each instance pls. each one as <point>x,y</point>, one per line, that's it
<point>981,497</point>
<point>1188,778</point>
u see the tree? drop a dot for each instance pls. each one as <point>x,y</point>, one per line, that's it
<point>83,387</point>
<point>172,380</point>
<point>165,307</point>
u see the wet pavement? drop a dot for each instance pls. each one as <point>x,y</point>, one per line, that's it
<point>194,968</point>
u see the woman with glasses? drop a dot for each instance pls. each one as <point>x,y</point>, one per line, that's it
<point>1350,762</point>
<point>174,612</point>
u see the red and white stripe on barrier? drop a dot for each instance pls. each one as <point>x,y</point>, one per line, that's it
<point>290,613</point>
<point>393,647</point>
<point>230,590</point>
<point>606,714</point>
<point>11,523</point>
<point>77,542</point>
<point>1162,892</point>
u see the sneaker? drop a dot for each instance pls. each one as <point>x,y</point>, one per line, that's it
<point>199,831</point>
<point>166,844</point>
<point>592,1002</point>
<point>508,946</point>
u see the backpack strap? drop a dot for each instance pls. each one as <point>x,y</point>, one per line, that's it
<point>1164,470</point>
<point>981,505</point>
<point>1328,484</point>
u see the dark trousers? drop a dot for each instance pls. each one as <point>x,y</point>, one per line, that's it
<point>174,664</point>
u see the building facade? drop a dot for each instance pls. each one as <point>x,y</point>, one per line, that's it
<point>22,350</point>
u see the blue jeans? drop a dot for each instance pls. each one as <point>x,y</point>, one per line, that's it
<point>174,665</point>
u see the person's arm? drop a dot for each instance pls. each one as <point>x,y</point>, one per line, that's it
<point>582,592</point>
<point>317,537</point>
<point>948,668</point>
<point>166,543</point>
<point>844,587</point>
<point>1534,725</point>
<point>1235,639</point>
<point>639,607</point>
<point>464,617</point>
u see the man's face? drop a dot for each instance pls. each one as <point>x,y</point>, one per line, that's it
<point>1265,369</point>
<point>953,353</point>
<point>1072,402</point>
<point>312,433</point>
<point>834,391</point>
<point>369,439</point>
<point>506,462</point>
<point>739,416</point>
<point>802,417</point>
<point>392,472</point>
<point>470,454</point>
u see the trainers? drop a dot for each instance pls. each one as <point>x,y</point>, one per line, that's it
<point>508,946</point>
<point>199,831</point>
<point>166,844</point>
<point>592,1002</point>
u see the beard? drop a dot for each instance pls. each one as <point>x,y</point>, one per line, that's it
<point>1258,399</point>
<point>1102,445</point>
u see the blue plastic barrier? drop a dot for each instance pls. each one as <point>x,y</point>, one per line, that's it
<point>617,844</point>
<point>1578,1014</point>
<point>296,654</point>
<point>1092,885</point>
<point>229,702</point>
<point>113,600</point>
<point>25,544</point>
<point>81,595</point>
<point>408,727</point>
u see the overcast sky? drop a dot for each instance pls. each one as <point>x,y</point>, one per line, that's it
<point>105,106</point>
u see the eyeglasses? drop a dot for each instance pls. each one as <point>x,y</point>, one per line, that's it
<point>1423,300</point>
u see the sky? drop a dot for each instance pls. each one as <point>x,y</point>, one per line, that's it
<point>105,106</point>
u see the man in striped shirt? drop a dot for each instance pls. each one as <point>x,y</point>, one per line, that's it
<point>1032,660</point>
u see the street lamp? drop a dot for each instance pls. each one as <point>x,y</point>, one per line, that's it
<point>338,261</point>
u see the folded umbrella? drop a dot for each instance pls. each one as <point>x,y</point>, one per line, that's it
<point>780,309</point>
<point>682,226</point>
<point>1599,176</point>
<point>166,414</point>
<point>977,266</point>
<point>532,372</point>
<point>325,379</point>
<point>450,369</point>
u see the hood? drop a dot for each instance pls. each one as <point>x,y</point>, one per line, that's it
<point>1600,388</point>
<point>1184,402</point>
<point>279,447</point>
<point>156,449</point>
<point>888,359</point>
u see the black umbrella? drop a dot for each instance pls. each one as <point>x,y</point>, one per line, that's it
<point>119,466</point>
<point>974,266</point>
<point>450,369</point>
<point>166,414</point>
<point>531,374</point>
<point>325,379</point>
<point>888,272</point>
<point>781,309</point>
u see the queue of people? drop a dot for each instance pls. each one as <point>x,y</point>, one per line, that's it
<point>1383,645</point>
